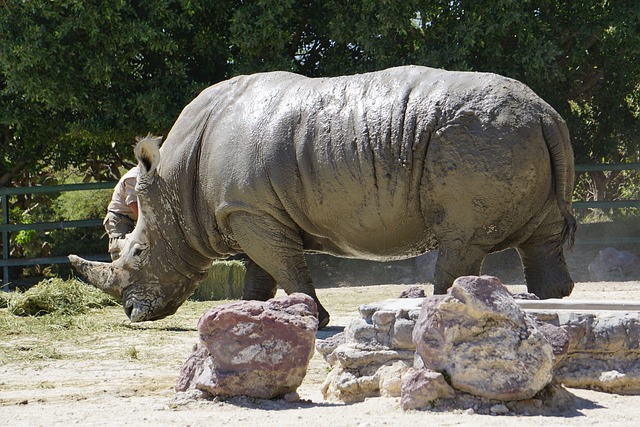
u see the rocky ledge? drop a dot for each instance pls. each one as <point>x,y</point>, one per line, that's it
<point>483,342</point>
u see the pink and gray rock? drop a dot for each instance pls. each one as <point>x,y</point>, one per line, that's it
<point>484,341</point>
<point>421,387</point>
<point>253,348</point>
<point>413,292</point>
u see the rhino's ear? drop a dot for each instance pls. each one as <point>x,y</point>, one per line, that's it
<point>148,154</point>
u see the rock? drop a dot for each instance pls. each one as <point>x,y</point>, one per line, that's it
<point>614,265</point>
<point>557,337</point>
<point>484,341</point>
<point>327,346</point>
<point>403,308</point>
<point>603,351</point>
<point>525,296</point>
<point>292,397</point>
<point>350,386</point>
<point>596,349</point>
<point>390,378</point>
<point>253,348</point>
<point>402,334</point>
<point>499,409</point>
<point>357,357</point>
<point>421,387</point>
<point>365,364</point>
<point>413,292</point>
<point>193,368</point>
<point>184,398</point>
<point>375,379</point>
<point>361,331</point>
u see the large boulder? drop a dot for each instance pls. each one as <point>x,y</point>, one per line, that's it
<point>253,348</point>
<point>603,351</point>
<point>370,358</point>
<point>484,342</point>
<point>613,265</point>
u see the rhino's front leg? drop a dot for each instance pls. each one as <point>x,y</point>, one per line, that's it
<point>456,259</point>
<point>276,251</point>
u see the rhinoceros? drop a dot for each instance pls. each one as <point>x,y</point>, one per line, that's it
<point>380,166</point>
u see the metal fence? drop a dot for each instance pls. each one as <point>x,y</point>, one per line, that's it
<point>6,228</point>
<point>607,204</point>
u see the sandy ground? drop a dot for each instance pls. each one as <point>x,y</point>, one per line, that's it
<point>121,391</point>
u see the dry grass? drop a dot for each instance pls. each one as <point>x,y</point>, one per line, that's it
<point>57,296</point>
<point>224,281</point>
<point>104,332</point>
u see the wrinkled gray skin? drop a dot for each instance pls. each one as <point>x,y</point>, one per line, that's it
<point>381,166</point>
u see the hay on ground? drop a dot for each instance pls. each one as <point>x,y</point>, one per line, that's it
<point>55,295</point>
<point>224,281</point>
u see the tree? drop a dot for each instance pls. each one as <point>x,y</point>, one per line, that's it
<point>80,79</point>
<point>582,57</point>
<point>78,75</point>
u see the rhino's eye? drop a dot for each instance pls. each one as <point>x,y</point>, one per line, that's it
<point>137,252</point>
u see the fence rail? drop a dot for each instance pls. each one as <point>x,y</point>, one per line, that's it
<point>6,228</point>
<point>607,204</point>
<point>608,167</point>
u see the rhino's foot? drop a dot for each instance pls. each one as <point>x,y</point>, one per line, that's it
<point>323,317</point>
<point>323,321</point>
<point>559,290</point>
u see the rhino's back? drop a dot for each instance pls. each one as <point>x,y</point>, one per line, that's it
<point>362,163</point>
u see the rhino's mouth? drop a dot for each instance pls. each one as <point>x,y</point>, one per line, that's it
<point>134,311</point>
<point>140,309</point>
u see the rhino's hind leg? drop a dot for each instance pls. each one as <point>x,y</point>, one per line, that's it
<point>258,284</point>
<point>545,269</point>
<point>455,260</point>
<point>277,251</point>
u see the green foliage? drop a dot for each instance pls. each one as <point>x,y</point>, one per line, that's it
<point>609,185</point>
<point>77,75</point>
<point>66,297</point>
<point>80,79</point>
<point>25,237</point>
<point>24,242</point>
<point>76,205</point>
<point>55,207</point>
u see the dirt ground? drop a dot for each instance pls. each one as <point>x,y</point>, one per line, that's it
<point>123,374</point>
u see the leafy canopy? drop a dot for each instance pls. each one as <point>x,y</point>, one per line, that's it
<point>79,79</point>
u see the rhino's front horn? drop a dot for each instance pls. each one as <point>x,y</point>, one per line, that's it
<point>102,275</point>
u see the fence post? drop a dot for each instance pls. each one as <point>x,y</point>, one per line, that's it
<point>5,241</point>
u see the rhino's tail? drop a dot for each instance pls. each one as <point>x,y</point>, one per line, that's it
<point>556,135</point>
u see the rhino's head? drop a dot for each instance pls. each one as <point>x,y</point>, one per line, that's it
<point>156,271</point>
